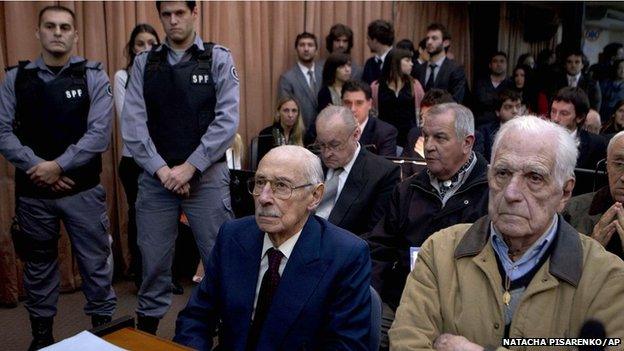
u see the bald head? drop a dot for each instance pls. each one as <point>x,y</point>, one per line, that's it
<point>298,159</point>
<point>337,135</point>
<point>336,116</point>
<point>294,175</point>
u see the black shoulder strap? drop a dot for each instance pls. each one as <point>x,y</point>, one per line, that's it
<point>154,58</point>
<point>77,71</point>
<point>21,64</point>
<point>205,57</point>
<point>23,73</point>
<point>21,80</point>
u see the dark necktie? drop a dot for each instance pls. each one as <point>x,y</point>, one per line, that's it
<point>269,284</point>
<point>429,83</point>
<point>379,63</point>
<point>313,86</point>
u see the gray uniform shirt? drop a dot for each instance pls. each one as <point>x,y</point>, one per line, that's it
<point>220,132</point>
<point>99,121</point>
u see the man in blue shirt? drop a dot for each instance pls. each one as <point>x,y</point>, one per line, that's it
<point>55,121</point>
<point>180,115</point>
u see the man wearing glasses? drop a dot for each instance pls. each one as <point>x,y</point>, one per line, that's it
<point>600,214</point>
<point>284,279</point>
<point>358,183</point>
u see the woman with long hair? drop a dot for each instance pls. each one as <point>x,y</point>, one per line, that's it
<point>615,123</point>
<point>612,89</point>
<point>336,71</point>
<point>522,82</point>
<point>288,127</point>
<point>142,38</point>
<point>397,95</point>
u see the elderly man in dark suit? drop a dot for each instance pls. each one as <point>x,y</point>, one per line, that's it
<point>304,80</point>
<point>359,183</point>
<point>600,214</point>
<point>441,72</point>
<point>286,279</point>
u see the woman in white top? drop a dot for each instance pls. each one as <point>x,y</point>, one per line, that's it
<point>142,38</point>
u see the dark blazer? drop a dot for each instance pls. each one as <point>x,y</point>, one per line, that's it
<point>323,300</point>
<point>371,71</point>
<point>293,83</point>
<point>487,133</point>
<point>589,86</point>
<point>366,192</point>
<point>592,148</point>
<point>451,77</point>
<point>381,134</point>
<point>324,98</point>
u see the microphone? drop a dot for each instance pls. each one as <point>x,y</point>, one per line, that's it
<point>592,329</point>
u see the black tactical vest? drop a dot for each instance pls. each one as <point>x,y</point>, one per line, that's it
<point>180,102</point>
<point>49,117</point>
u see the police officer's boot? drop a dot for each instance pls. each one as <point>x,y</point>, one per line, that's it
<point>98,319</point>
<point>147,324</point>
<point>41,332</point>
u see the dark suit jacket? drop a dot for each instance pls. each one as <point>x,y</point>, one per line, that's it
<point>451,77</point>
<point>589,86</point>
<point>323,300</point>
<point>488,133</point>
<point>371,71</point>
<point>593,148</point>
<point>324,98</point>
<point>366,192</point>
<point>381,134</point>
<point>293,83</point>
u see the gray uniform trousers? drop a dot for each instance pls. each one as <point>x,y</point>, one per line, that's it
<point>85,218</point>
<point>158,211</point>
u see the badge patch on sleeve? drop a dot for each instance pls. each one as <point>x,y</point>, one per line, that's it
<point>234,73</point>
<point>109,90</point>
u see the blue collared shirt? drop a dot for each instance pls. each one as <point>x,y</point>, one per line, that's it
<point>99,120</point>
<point>531,257</point>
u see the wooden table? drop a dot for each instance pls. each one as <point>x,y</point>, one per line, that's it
<point>136,340</point>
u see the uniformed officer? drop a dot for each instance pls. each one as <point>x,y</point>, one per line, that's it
<point>180,115</point>
<point>55,121</point>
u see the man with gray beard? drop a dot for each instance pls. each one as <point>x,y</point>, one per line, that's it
<point>301,281</point>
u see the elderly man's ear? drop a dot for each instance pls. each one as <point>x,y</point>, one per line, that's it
<point>568,186</point>
<point>317,196</point>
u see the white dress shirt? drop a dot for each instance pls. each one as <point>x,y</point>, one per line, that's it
<point>438,64</point>
<point>305,70</point>
<point>342,178</point>
<point>573,80</point>
<point>286,249</point>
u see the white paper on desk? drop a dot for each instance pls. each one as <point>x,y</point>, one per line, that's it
<point>83,341</point>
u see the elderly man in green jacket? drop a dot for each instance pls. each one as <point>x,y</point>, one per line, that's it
<point>600,214</point>
<point>519,272</point>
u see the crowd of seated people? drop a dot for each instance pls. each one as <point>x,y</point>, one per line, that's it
<point>424,95</point>
<point>346,250</point>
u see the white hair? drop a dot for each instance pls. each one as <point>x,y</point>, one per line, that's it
<point>536,128</point>
<point>312,170</point>
<point>345,114</point>
<point>613,141</point>
<point>464,119</point>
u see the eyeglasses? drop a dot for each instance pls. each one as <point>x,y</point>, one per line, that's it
<point>280,189</point>
<point>334,145</point>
